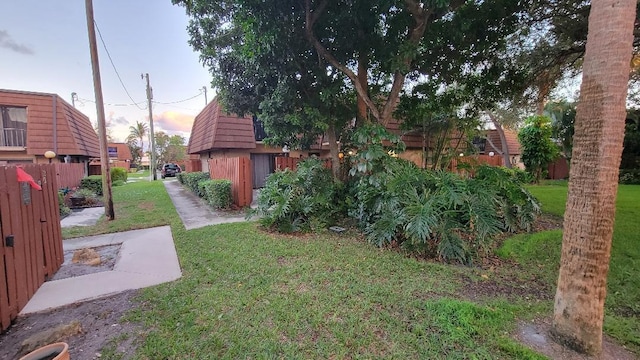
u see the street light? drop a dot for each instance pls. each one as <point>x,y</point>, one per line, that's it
<point>49,155</point>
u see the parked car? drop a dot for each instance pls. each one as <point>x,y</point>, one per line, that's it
<point>170,170</point>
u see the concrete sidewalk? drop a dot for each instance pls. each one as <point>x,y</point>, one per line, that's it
<point>83,217</point>
<point>194,211</point>
<point>147,257</point>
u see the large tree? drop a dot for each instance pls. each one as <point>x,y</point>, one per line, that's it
<point>593,179</point>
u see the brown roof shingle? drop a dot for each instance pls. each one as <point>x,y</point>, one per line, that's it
<point>214,128</point>
<point>512,142</point>
<point>73,135</point>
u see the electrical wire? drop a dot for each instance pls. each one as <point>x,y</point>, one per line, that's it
<point>179,101</point>
<point>116,70</point>
<point>110,104</point>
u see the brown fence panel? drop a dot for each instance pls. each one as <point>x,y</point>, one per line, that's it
<point>474,160</point>
<point>31,241</point>
<point>559,169</point>
<point>292,163</point>
<point>238,171</point>
<point>69,175</point>
<point>192,165</point>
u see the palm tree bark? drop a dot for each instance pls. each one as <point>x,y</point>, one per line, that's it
<point>593,180</point>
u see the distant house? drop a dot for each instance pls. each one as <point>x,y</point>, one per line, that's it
<point>119,156</point>
<point>218,134</point>
<point>33,123</point>
<point>491,144</point>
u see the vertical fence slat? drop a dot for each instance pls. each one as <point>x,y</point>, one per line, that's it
<point>69,175</point>
<point>238,171</point>
<point>37,251</point>
<point>8,304</point>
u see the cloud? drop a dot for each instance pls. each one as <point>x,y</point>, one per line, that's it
<point>172,121</point>
<point>7,42</point>
<point>121,121</point>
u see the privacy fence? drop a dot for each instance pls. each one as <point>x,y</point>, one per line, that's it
<point>31,243</point>
<point>238,171</point>
<point>69,175</point>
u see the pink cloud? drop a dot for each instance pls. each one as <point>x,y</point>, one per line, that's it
<point>171,121</point>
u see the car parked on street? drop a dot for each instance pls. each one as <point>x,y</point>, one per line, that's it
<point>170,170</point>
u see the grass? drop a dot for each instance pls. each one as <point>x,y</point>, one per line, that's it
<point>541,254</point>
<point>250,294</point>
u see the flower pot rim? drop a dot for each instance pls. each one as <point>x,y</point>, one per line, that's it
<point>61,347</point>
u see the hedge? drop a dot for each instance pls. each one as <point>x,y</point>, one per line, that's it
<point>218,193</point>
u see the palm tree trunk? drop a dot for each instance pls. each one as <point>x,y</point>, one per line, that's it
<point>593,180</point>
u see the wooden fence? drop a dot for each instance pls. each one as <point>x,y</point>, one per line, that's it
<point>474,160</point>
<point>238,170</point>
<point>559,169</point>
<point>69,175</point>
<point>31,243</point>
<point>192,165</point>
<point>292,163</point>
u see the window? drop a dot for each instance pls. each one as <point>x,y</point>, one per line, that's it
<point>13,126</point>
<point>113,151</point>
<point>258,129</point>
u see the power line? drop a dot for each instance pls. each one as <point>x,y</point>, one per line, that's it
<point>110,104</point>
<point>114,68</point>
<point>179,101</point>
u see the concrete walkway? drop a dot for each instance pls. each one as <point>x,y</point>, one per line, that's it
<point>147,257</point>
<point>83,217</point>
<point>194,211</point>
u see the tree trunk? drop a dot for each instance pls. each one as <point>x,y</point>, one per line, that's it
<point>333,150</point>
<point>593,180</point>
<point>362,117</point>
<point>506,157</point>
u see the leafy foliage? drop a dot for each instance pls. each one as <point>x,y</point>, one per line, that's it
<point>300,200</point>
<point>62,207</point>
<point>439,214</point>
<point>93,183</point>
<point>538,150</point>
<point>218,193</point>
<point>118,173</point>
<point>192,179</point>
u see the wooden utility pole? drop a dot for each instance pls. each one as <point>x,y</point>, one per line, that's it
<point>205,95</point>
<point>102,129</point>
<point>152,135</point>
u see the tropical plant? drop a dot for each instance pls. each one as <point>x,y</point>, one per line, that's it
<point>300,200</point>
<point>439,214</point>
<point>138,132</point>
<point>538,150</point>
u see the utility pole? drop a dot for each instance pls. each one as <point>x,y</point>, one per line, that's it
<point>152,136</point>
<point>102,129</point>
<point>205,95</point>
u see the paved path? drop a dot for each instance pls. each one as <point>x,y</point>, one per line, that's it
<point>147,257</point>
<point>193,211</point>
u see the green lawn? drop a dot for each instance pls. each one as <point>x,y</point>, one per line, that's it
<point>542,251</point>
<point>249,294</point>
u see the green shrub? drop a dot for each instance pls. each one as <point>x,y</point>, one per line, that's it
<point>62,207</point>
<point>180,177</point>
<point>118,173</point>
<point>218,193</point>
<point>93,183</point>
<point>630,177</point>
<point>202,191</point>
<point>118,183</point>
<point>192,179</point>
<point>300,200</point>
<point>439,214</point>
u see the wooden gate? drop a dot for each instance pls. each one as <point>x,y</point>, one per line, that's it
<point>31,242</point>
<point>238,170</point>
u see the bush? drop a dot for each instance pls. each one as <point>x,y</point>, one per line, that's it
<point>62,206</point>
<point>439,214</point>
<point>118,183</point>
<point>191,180</point>
<point>93,183</point>
<point>630,177</point>
<point>118,173</point>
<point>202,191</point>
<point>218,193</point>
<point>298,201</point>
<point>180,177</point>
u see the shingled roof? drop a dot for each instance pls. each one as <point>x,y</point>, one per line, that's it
<point>512,142</point>
<point>215,129</point>
<point>70,134</point>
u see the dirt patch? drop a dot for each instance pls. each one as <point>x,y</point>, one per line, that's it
<point>108,255</point>
<point>100,320</point>
<point>535,335</point>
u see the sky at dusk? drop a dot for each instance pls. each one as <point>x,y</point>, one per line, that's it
<point>44,47</point>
